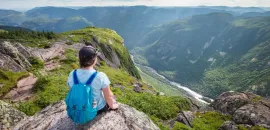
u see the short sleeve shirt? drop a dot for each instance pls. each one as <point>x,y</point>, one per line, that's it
<point>100,81</point>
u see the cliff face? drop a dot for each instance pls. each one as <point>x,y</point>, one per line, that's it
<point>16,56</point>
<point>54,117</point>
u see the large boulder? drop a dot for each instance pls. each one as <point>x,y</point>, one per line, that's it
<point>9,116</point>
<point>186,117</point>
<point>253,114</point>
<point>54,117</point>
<point>229,102</point>
<point>245,108</point>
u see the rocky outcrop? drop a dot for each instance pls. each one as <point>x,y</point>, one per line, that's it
<point>55,117</point>
<point>245,108</point>
<point>137,87</point>
<point>185,117</point>
<point>13,56</point>
<point>228,125</point>
<point>23,89</point>
<point>253,114</point>
<point>229,102</point>
<point>9,116</point>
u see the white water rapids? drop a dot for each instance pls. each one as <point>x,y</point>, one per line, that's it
<point>192,93</point>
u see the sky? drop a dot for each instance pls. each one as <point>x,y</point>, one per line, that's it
<point>27,4</point>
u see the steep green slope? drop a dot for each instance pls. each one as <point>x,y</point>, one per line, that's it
<point>51,84</point>
<point>196,52</point>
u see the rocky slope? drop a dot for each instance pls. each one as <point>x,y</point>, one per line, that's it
<point>230,111</point>
<point>54,117</point>
<point>243,110</point>
<point>50,65</point>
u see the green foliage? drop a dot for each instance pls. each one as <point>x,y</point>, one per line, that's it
<point>9,79</point>
<point>209,121</point>
<point>117,76</point>
<point>162,107</point>
<point>158,83</point>
<point>29,108</point>
<point>31,38</point>
<point>71,57</point>
<point>180,126</point>
<point>256,99</point>
<point>36,63</point>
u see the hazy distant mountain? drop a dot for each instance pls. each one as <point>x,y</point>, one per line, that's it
<point>237,10</point>
<point>11,17</point>
<point>52,12</point>
<point>255,14</point>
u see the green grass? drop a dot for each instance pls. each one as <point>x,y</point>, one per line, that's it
<point>9,79</point>
<point>160,86</point>
<point>36,63</point>
<point>180,126</point>
<point>158,83</point>
<point>108,41</point>
<point>50,87</point>
<point>209,121</point>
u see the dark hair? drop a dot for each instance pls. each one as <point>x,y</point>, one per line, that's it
<point>87,56</point>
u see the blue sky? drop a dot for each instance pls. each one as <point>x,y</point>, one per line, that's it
<point>26,4</point>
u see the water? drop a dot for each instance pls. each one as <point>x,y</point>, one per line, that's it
<point>192,93</point>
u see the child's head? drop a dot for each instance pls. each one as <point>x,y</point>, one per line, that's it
<point>88,56</point>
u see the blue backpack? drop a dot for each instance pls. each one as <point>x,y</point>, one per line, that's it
<point>79,101</point>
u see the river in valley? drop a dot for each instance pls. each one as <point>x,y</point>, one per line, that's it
<point>189,92</point>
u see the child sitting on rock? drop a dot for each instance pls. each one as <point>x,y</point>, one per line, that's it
<point>100,94</point>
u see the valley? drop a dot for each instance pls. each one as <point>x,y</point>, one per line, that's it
<point>171,68</point>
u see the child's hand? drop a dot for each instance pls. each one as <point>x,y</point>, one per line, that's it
<point>115,105</point>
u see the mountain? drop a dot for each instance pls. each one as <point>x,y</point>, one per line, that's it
<point>57,25</point>
<point>255,14</point>
<point>120,18</point>
<point>52,12</point>
<point>211,53</point>
<point>237,10</point>
<point>12,28</point>
<point>35,65</point>
<point>11,17</point>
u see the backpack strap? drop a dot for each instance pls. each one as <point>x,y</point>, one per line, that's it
<point>92,77</point>
<point>75,77</point>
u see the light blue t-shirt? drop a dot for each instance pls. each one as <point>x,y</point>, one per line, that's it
<point>100,81</point>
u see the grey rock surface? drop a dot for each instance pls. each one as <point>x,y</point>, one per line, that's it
<point>13,58</point>
<point>186,117</point>
<point>253,114</point>
<point>245,108</point>
<point>9,116</point>
<point>229,102</point>
<point>228,125</point>
<point>54,117</point>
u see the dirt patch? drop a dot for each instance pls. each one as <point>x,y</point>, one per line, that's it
<point>24,89</point>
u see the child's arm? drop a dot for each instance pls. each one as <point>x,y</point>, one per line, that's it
<point>109,97</point>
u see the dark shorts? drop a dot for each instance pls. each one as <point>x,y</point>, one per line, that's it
<point>104,109</point>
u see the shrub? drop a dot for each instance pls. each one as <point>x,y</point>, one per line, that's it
<point>36,63</point>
